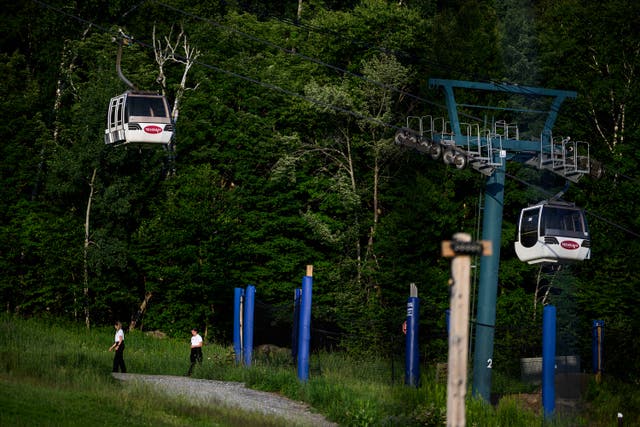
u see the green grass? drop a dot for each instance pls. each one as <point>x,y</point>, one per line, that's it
<point>54,374</point>
<point>60,375</point>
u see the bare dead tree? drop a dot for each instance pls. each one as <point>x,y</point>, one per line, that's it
<point>542,289</point>
<point>609,113</point>
<point>167,52</point>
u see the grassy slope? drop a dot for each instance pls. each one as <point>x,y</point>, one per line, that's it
<point>53,374</point>
<point>59,375</point>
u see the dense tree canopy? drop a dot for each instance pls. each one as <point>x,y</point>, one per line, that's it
<point>284,157</point>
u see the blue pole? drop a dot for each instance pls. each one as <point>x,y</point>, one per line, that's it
<point>488,287</point>
<point>249,304</point>
<point>297,295</point>
<point>412,353</point>
<point>598,337</point>
<point>237,341</point>
<point>548,359</point>
<point>304,334</point>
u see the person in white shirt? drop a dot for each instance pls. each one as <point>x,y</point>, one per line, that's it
<point>118,346</point>
<point>196,350</point>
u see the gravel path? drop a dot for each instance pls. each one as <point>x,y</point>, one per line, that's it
<point>233,394</point>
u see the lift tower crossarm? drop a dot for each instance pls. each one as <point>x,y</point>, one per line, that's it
<point>507,144</point>
<point>503,87</point>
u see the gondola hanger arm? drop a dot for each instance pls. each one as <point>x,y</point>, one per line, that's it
<point>122,40</point>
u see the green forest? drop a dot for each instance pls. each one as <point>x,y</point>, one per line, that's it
<point>284,156</point>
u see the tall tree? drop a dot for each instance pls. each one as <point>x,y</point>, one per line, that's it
<point>593,48</point>
<point>519,41</point>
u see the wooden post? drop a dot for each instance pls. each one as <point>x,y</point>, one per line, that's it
<point>461,249</point>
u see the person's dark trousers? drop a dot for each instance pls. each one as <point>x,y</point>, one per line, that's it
<point>118,359</point>
<point>195,357</point>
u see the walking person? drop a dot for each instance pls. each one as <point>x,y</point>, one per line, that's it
<point>196,350</point>
<point>118,346</point>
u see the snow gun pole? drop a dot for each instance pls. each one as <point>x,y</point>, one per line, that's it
<point>304,334</point>
<point>548,360</point>
<point>237,323</point>
<point>461,248</point>
<point>412,350</point>
<point>297,296</point>
<point>249,304</point>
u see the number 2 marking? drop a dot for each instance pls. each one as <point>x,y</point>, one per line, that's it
<point>489,363</point>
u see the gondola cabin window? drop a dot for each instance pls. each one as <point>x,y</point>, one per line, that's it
<point>529,228</point>
<point>146,107</point>
<point>559,222</point>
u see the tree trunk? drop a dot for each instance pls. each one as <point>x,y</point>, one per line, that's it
<point>141,310</point>
<point>87,242</point>
<point>376,210</point>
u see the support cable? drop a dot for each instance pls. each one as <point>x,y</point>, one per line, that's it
<point>305,57</point>
<point>588,212</point>
<point>231,73</point>
<point>286,91</point>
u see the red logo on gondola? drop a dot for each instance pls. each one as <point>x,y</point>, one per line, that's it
<point>569,244</point>
<point>153,129</point>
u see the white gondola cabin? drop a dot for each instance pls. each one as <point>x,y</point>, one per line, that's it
<point>553,232</point>
<point>138,118</point>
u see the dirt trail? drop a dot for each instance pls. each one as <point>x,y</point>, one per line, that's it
<point>233,394</point>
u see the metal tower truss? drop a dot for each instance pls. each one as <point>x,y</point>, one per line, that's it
<point>486,148</point>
